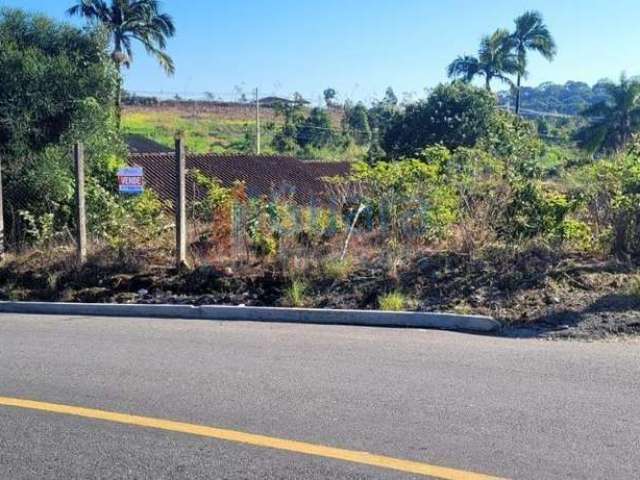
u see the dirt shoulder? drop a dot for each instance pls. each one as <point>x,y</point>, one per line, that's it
<point>535,293</point>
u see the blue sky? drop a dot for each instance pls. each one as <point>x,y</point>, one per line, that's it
<point>360,47</point>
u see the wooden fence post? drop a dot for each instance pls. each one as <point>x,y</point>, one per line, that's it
<point>81,214</point>
<point>181,204</point>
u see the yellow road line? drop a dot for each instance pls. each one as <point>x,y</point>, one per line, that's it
<point>252,439</point>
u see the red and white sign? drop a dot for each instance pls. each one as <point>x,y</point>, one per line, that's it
<point>131,180</point>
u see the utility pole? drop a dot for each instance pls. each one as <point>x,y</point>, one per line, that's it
<point>81,214</point>
<point>257,122</point>
<point>180,204</point>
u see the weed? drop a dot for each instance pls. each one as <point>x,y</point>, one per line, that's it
<point>336,269</point>
<point>295,295</point>
<point>633,288</point>
<point>393,302</point>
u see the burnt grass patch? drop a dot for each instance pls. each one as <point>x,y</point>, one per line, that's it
<point>534,292</point>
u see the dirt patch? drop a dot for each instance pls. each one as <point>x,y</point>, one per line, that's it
<point>537,292</point>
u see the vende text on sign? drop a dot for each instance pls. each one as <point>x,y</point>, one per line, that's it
<point>131,180</point>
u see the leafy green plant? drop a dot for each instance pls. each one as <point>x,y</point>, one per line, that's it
<point>263,227</point>
<point>393,302</point>
<point>577,235</point>
<point>535,210</point>
<point>407,199</point>
<point>38,230</point>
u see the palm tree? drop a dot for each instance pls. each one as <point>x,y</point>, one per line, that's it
<point>613,121</point>
<point>126,21</point>
<point>495,60</point>
<point>531,34</point>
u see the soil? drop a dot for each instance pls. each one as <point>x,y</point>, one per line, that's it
<point>535,293</point>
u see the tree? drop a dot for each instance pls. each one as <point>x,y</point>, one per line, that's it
<point>356,123</point>
<point>615,120</point>
<point>495,60</point>
<point>292,114</point>
<point>329,96</point>
<point>50,71</point>
<point>381,116</point>
<point>56,87</point>
<point>390,98</point>
<point>316,131</point>
<point>531,34</point>
<point>453,115</point>
<point>127,21</point>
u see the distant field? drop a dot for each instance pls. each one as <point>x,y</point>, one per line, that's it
<point>204,131</point>
<point>212,128</point>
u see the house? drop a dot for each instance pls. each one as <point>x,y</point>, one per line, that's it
<point>263,175</point>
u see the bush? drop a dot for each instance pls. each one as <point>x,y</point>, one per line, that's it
<point>128,225</point>
<point>535,210</point>
<point>577,235</point>
<point>408,199</point>
<point>611,189</point>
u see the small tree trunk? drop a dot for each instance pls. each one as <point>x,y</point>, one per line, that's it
<point>487,84</point>
<point>518,82</point>
<point>119,98</point>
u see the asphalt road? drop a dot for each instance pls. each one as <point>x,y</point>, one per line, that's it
<point>514,408</point>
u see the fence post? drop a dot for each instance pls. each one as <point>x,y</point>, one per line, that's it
<point>258,140</point>
<point>81,214</point>
<point>180,204</point>
<point>2,246</point>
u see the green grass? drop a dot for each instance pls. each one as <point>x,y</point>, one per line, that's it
<point>205,133</point>
<point>337,269</point>
<point>393,302</point>
<point>296,294</point>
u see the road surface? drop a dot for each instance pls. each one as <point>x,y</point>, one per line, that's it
<point>510,408</point>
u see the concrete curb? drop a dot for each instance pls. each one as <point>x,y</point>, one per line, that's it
<point>370,318</point>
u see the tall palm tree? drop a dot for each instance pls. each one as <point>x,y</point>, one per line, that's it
<point>495,60</point>
<point>127,21</point>
<point>531,34</point>
<point>613,121</point>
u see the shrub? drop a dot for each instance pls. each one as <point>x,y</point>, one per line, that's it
<point>535,210</point>
<point>577,235</point>
<point>127,224</point>
<point>263,227</point>
<point>611,189</point>
<point>393,302</point>
<point>408,199</point>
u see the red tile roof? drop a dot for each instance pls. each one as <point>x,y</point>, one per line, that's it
<point>262,175</point>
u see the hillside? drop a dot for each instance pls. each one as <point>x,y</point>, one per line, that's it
<point>211,126</point>
<point>568,99</point>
